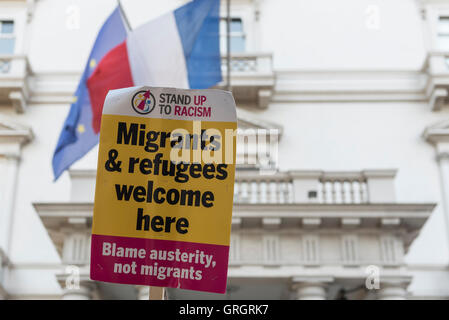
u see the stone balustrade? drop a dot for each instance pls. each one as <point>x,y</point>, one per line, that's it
<point>14,73</point>
<point>352,187</point>
<point>306,186</point>
<point>263,189</point>
<point>252,78</point>
<point>436,67</point>
<point>248,62</point>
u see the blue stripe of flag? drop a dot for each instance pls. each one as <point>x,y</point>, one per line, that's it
<point>77,136</point>
<point>198,27</point>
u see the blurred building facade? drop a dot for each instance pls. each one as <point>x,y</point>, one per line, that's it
<point>355,204</point>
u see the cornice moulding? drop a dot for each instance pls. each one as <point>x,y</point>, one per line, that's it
<point>388,210</point>
<point>350,85</point>
<point>13,132</point>
<point>289,86</point>
<point>438,132</point>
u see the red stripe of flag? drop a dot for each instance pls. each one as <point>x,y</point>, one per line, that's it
<point>112,72</point>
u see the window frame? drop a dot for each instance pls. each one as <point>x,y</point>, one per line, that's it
<point>248,11</point>
<point>12,35</point>
<point>440,33</point>
<point>433,14</point>
<point>233,34</point>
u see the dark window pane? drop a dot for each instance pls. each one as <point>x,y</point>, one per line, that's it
<point>236,25</point>
<point>7,27</point>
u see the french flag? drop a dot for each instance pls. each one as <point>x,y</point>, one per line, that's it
<point>165,52</point>
<point>179,49</point>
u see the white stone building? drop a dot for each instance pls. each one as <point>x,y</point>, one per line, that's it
<point>357,93</point>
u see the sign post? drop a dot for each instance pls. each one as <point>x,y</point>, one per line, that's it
<point>156,293</point>
<point>164,189</point>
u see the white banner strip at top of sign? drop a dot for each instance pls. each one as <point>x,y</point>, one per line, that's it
<point>172,103</point>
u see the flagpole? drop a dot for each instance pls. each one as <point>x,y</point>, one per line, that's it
<point>228,45</point>
<point>125,18</point>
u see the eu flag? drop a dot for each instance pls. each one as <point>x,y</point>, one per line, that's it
<point>77,136</point>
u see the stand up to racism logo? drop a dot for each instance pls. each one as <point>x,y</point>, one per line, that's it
<point>143,102</point>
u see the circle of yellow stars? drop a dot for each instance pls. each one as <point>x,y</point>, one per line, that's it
<point>81,128</point>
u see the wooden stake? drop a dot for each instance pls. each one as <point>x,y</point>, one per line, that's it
<point>228,45</point>
<point>156,293</point>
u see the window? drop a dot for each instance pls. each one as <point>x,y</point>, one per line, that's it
<point>443,34</point>
<point>237,36</point>
<point>7,38</point>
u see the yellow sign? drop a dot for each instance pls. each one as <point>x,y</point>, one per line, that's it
<point>164,189</point>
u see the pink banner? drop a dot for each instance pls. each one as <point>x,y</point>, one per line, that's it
<point>162,263</point>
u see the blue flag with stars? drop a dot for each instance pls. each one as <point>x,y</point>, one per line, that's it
<point>77,136</point>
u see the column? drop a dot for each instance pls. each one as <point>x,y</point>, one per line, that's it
<point>392,291</point>
<point>143,292</point>
<point>438,136</point>
<point>3,264</point>
<point>311,291</point>
<point>76,284</point>
<point>311,288</point>
<point>12,138</point>
<point>8,168</point>
<point>443,164</point>
<point>83,291</point>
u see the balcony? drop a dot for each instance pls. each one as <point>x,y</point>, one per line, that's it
<point>301,186</point>
<point>360,204</point>
<point>437,69</point>
<point>351,187</point>
<point>14,72</point>
<point>251,187</point>
<point>252,78</point>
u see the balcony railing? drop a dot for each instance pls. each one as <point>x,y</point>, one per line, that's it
<point>263,189</point>
<point>252,78</point>
<point>249,62</point>
<point>14,66</point>
<point>342,188</point>
<point>437,68</point>
<point>5,65</point>
<point>305,186</point>
<point>332,188</point>
<point>14,72</point>
<point>352,187</point>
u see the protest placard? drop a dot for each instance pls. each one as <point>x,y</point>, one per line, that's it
<point>164,188</point>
